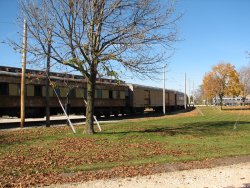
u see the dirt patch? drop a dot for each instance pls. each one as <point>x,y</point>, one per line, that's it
<point>209,163</point>
<point>231,176</point>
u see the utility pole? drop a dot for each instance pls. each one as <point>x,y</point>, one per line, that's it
<point>164,108</point>
<point>185,98</point>
<point>189,96</point>
<point>47,78</point>
<point>24,52</point>
<point>193,93</point>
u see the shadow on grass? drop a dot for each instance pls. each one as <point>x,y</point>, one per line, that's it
<point>147,114</point>
<point>198,128</point>
<point>235,109</point>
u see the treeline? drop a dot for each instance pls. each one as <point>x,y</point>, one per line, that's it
<point>224,81</point>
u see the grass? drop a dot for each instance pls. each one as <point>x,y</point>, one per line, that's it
<point>172,138</point>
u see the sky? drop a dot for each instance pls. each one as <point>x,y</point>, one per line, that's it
<point>211,31</point>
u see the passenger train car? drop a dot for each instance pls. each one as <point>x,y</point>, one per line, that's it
<point>110,98</point>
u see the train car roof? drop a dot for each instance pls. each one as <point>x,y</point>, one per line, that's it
<point>151,87</point>
<point>13,71</point>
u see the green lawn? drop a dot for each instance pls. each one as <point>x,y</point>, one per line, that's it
<point>56,150</point>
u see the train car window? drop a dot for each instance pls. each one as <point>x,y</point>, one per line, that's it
<point>122,94</point>
<point>29,90</point>
<point>14,90</point>
<point>72,93</point>
<point>118,95</point>
<point>37,91</point>
<point>79,93</point>
<point>126,93</point>
<point>51,91</point>
<point>4,88</point>
<point>63,91</point>
<point>98,93</point>
<point>105,94</point>
<point>111,94</point>
<point>57,91</point>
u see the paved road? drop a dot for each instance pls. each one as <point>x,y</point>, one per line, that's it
<point>237,175</point>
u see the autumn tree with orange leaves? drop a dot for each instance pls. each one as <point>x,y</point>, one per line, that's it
<point>222,81</point>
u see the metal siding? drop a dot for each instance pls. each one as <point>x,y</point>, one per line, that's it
<point>172,99</point>
<point>138,95</point>
<point>167,98</point>
<point>156,98</point>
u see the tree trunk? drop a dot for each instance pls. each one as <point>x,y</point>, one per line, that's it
<point>221,103</point>
<point>90,103</point>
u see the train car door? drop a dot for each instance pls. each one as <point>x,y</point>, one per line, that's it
<point>146,98</point>
<point>175,98</point>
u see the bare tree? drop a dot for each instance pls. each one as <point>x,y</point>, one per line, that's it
<point>244,76</point>
<point>97,37</point>
<point>198,95</point>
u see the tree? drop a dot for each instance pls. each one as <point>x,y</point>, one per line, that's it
<point>221,81</point>
<point>209,86</point>
<point>97,37</point>
<point>198,94</point>
<point>244,77</point>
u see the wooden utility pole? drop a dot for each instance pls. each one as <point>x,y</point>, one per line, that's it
<point>164,107</point>
<point>47,78</point>
<point>193,93</point>
<point>24,52</point>
<point>189,95</point>
<point>185,94</point>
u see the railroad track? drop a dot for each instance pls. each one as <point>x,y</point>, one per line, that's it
<point>8,123</point>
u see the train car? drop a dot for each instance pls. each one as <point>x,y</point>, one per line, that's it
<point>110,98</point>
<point>143,97</point>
